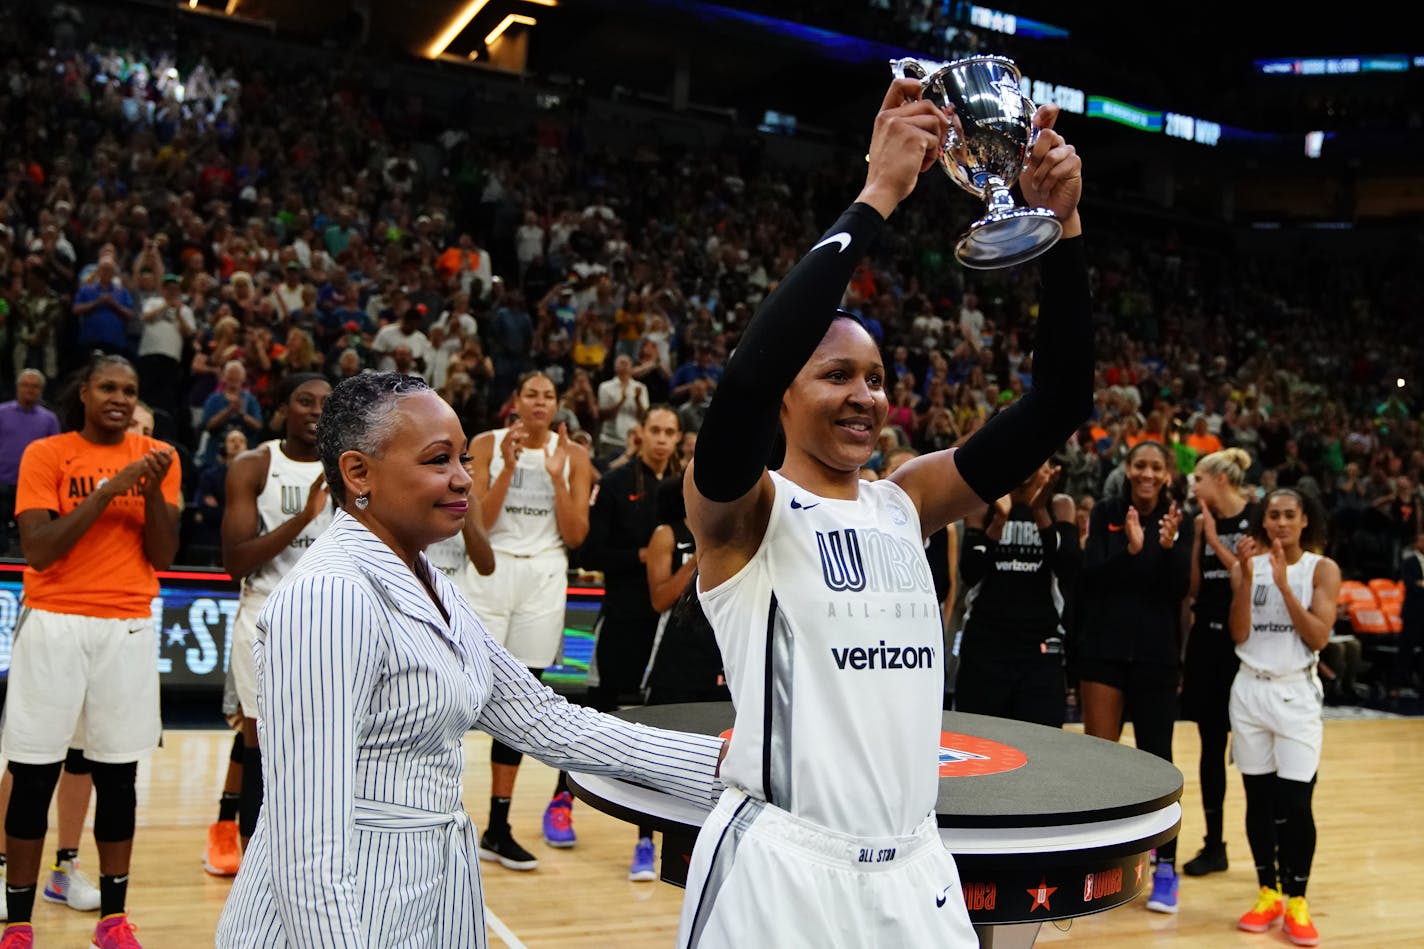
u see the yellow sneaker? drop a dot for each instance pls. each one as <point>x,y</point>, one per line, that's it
<point>1299,929</point>
<point>1270,906</point>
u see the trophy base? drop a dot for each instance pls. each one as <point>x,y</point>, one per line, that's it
<point>1007,238</point>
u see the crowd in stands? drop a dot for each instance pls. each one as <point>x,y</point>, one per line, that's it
<point>224,218</point>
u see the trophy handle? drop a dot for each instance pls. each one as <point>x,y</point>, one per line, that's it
<point>909,68</point>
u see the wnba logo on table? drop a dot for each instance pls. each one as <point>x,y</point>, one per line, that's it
<point>963,756</point>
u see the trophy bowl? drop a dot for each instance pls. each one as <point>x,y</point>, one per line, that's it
<point>990,135</point>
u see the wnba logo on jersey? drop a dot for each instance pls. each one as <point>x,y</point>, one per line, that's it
<point>842,566</point>
<point>1260,595</point>
<point>292,500</point>
<point>871,561</point>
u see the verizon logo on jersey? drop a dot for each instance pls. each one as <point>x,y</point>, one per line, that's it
<point>884,657</point>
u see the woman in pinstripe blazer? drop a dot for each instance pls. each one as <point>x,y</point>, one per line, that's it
<point>371,668</point>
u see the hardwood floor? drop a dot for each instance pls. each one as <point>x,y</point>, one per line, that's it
<point>1366,890</point>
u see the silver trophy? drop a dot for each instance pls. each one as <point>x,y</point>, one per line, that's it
<point>990,135</point>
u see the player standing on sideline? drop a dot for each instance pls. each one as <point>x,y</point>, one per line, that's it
<point>809,573</point>
<point>1019,557</point>
<point>532,485</point>
<point>1283,606</point>
<point>277,506</point>
<point>1209,666</point>
<point>97,509</point>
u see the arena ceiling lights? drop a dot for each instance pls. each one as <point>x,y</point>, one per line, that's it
<point>457,40</point>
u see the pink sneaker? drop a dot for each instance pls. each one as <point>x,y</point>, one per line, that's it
<point>18,936</point>
<point>116,932</point>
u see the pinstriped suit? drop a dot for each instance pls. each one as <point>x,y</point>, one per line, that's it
<point>365,694</point>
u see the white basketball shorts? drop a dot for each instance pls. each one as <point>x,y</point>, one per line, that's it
<point>81,682</point>
<point>244,667</point>
<point>761,877</point>
<point>1277,724</point>
<point>522,603</point>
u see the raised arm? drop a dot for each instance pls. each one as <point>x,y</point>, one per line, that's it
<point>729,494</point>
<point>946,485</point>
<point>244,546</point>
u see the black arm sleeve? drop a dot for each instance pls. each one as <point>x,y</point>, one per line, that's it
<point>999,456</point>
<point>740,429</point>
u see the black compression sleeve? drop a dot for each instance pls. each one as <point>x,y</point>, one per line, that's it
<point>741,424</point>
<point>999,456</point>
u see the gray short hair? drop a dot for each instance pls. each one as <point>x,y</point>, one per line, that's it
<point>31,372</point>
<point>360,415</point>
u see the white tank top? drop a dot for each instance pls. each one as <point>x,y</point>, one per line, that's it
<point>283,497</point>
<point>526,526</point>
<point>1274,645</point>
<point>833,652</point>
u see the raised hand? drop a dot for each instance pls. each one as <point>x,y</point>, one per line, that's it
<point>1278,565</point>
<point>1167,529</point>
<point>513,443</point>
<point>1208,525</point>
<point>906,140</point>
<point>1132,525</point>
<point>554,461</point>
<point>316,498</point>
<point>1039,487</point>
<point>1053,173</point>
<point>157,462</point>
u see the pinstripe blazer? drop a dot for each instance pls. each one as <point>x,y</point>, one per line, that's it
<point>365,692</point>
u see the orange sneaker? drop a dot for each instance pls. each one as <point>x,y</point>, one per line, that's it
<point>1270,906</point>
<point>223,855</point>
<point>1299,929</point>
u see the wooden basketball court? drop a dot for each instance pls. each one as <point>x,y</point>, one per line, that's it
<point>1365,888</point>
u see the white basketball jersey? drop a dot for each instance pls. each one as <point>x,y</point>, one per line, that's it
<point>282,498</point>
<point>526,524</point>
<point>834,656</point>
<point>1274,645</point>
<point>450,558</point>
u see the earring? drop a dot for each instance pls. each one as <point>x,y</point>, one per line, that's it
<point>362,501</point>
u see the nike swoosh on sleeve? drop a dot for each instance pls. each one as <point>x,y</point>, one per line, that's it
<point>840,237</point>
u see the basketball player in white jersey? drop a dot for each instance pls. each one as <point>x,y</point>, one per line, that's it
<point>533,487</point>
<point>818,590</point>
<point>277,506</point>
<point>1282,612</point>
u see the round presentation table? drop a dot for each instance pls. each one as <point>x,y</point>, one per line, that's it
<point>1043,823</point>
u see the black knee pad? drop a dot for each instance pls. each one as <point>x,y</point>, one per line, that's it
<point>500,753</point>
<point>250,804</point>
<point>115,801</point>
<point>28,815</point>
<point>235,756</point>
<point>76,763</point>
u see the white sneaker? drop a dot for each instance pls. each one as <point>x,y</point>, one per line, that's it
<point>68,885</point>
<point>4,906</point>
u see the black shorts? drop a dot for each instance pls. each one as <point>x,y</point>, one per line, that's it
<point>1122,674</point>
<point>1207,674</point>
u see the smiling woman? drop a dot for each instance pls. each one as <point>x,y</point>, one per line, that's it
<point>371,668</point>
<point>836,741</point>
<point>98,511</point>
<point>1136,571</point>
